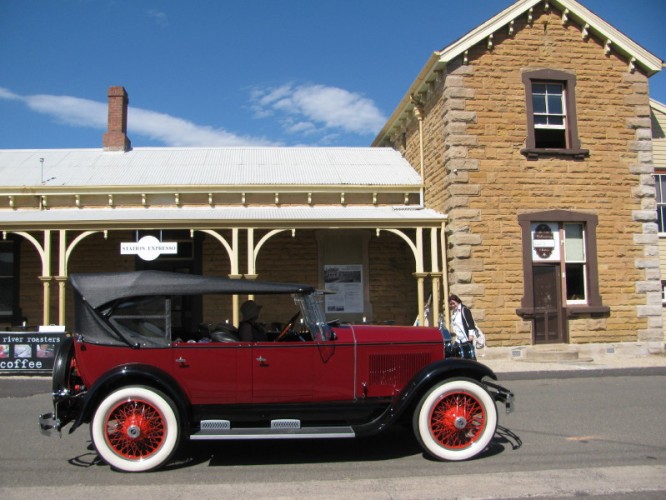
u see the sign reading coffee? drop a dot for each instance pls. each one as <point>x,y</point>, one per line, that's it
<point>28,352</point>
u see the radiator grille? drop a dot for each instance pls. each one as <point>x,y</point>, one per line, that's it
<point>396,369</point>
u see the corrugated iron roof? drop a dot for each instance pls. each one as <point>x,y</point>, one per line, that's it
<point>206,167</point>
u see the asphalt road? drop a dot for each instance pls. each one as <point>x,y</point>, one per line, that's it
<point>600,434</point>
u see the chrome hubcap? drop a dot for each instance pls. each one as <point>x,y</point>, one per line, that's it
<point>133,431</point>
<point>460,423</point>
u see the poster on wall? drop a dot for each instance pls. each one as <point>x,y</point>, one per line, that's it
<point>347,283</point>
<point>545,242</point>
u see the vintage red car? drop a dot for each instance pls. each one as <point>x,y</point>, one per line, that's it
<point>144,384</point>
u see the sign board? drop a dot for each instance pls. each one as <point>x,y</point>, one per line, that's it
<point>545,242</point>
<point>149,248</point>
<point>347,283</point>
<point>24,352</point>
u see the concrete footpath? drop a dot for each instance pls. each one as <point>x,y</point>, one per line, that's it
<point>569,357</point>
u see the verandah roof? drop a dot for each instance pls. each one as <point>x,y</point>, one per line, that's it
<point>220,217</point>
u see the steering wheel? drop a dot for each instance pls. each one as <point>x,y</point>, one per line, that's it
<point>288,327</point>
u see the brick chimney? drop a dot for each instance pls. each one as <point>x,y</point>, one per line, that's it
<point>115,138</point>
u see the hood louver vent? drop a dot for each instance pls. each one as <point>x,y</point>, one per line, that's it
<point>396,369</point>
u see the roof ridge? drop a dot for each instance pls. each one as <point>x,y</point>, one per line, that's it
<point>572,10</point>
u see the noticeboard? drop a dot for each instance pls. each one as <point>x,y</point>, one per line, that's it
<point>28,352</point>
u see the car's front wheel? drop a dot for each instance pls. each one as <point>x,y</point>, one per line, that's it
<point>455,420</point>
<point>135,429</point>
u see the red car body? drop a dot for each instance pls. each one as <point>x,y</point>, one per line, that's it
<point>144,387</point>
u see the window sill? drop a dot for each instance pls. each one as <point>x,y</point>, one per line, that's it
<point>571,311</point>
<point>536,153</point>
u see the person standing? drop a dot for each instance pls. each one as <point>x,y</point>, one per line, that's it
<point>463,326</point>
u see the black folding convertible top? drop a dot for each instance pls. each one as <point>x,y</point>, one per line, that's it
<point>98,289</point>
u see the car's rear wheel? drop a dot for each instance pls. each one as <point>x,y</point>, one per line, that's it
<point>455,420</point>
<point>135,429</point>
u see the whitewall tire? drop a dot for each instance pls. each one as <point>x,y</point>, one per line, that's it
<point>455,420</point>
<point>135,429</point>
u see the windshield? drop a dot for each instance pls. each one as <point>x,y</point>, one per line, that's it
<point>312,307</point>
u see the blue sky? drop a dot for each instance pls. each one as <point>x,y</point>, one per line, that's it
<point>238,73</point>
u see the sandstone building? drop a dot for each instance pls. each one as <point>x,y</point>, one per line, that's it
<point>533,135</point>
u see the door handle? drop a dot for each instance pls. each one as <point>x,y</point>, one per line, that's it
<point>262,360</point>
<point>181,360</point>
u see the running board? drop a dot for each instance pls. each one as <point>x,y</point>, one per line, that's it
<point>279,429</point>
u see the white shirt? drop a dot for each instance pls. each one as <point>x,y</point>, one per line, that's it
<point>457,324</point>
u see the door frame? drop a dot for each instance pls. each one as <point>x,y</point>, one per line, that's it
<point>590,221</point>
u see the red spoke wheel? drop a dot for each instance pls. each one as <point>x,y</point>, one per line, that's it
<point>135,429</point>
<point>455,420</point>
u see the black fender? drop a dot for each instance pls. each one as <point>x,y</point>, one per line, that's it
<point>62,359</point>
<point>132,374</point>
<point>419,384</point>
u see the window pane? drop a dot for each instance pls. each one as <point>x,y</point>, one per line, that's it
<point>556,120</point>
<point>541,120</point>
<point>574,247</point>
<point>555,104</point>
<point>575,281</point>
<point>6,264</point>
<point>538,88</point>
<point>661,218</point>
<point>6,296</point>
<point>553,138</point>
<point>554,88</point>
<point>662,188</point>
<point>657,187</point>
<point>539,103</point>
<point>141,306</point>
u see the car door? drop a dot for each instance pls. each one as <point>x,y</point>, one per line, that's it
<point>282,372</point>
<point>209,372</point>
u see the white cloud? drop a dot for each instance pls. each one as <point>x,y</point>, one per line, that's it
<point>170,130</point>
<point>70,110</point>
<point>178,132</point>
<point>331,107</point>
<point>8,95</point>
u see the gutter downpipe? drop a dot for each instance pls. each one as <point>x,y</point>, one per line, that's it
<point>418,113</point>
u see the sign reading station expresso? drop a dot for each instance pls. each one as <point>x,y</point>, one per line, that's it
<point>149,248</point>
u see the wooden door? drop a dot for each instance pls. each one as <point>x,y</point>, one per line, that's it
<point>550,324</point>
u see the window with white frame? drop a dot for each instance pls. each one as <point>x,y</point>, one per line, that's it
<point>549,115</point>
<point>550,102</point>
<point>575,263</point>
<point>568,240</point>
<point>660,184</point>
